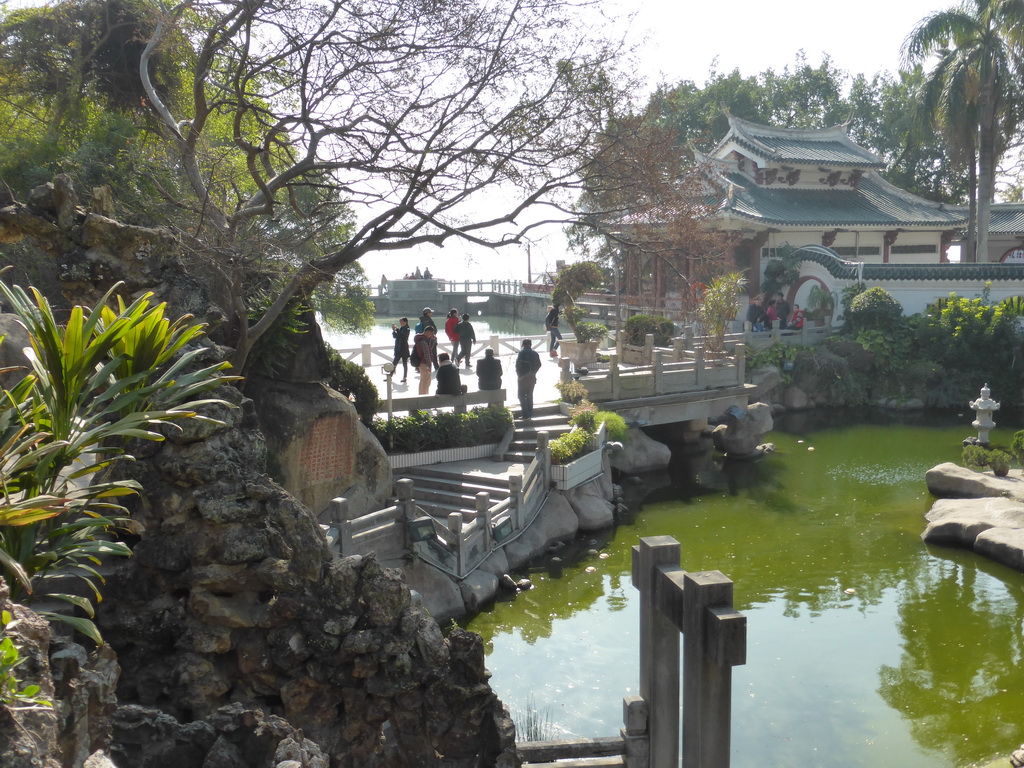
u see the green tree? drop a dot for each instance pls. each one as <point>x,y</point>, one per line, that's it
<point>973,92</point>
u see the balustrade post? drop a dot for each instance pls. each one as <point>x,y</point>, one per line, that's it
<point>620,342</point>
<point>741,364</point>
<point>495,344</point>
<point>688,335</point>
<point>367,355</point>
<point>659,373</point>
<point>803,333</point>
<point>544,453</point>
<point>338,519</point>
<point>404,492</point>
<point>483,516</point>
<point>563,363</point>
<point>698,364</point>
<point>515,492</point>
<point>659,649</point>
<point>613,375</point>
<point>455,526</point>
<point>635,734</point>
<point>649,348</point>
<point>678,348</point>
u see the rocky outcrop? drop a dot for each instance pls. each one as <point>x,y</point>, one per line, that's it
<point>990,521</point>
<point>741,430</point>
<point>952,480</point>
<point>321,449</point>
<point>234,596</point>
<point>641,453</point>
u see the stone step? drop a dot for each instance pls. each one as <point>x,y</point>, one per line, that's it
<point>431,474</point>
<point>582,762</point>
<point>463,485</point>
<point>463,500</point>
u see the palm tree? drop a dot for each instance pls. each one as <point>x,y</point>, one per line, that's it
<point>973,92</point>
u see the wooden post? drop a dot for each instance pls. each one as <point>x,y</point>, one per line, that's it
<point>659,650</point>
<point>708,657</point>
<point>544,453</point>
<point>613,376</point>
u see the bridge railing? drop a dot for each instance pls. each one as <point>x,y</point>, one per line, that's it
<point>367,355</point>
<point>458,543</point>
<point>675,371</point>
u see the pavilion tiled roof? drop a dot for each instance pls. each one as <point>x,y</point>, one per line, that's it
<point>873,203</point>
<point>829,147</point>
<point>1007,219</point>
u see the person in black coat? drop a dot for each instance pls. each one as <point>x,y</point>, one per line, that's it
<point>551,326</point>
<point>449,382</point>
<point>400,333</point>
<point>527,365</point>
<point>488,371</point>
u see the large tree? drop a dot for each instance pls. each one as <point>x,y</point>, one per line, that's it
<point>409,113</point>
<point>974,90</point>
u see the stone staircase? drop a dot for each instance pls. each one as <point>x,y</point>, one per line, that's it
<point>441,491</point>
<point>524,442</point>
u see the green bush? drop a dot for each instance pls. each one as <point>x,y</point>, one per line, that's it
<point>572,391</point>
<point>570,446</point>
<point>874,309</point>
<point>638,326</point>
<point>977,457</point>
<point>424,431</point>
<point>352,379</point>
<point>1017,447</point>
<point>614,425</point>
<point>586,331</point>
<point>582,416</point>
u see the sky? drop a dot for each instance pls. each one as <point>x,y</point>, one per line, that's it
<point>683,40</point>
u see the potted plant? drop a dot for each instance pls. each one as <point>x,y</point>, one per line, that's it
<point>820,305</point>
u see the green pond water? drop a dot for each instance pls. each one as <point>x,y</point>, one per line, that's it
<point>919,666</point>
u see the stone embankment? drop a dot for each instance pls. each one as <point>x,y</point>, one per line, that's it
<point>979,511</point>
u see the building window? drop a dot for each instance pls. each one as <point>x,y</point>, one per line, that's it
<point>905,249</point>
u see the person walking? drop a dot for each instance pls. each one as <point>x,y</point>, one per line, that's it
<point>467,337</point>
<point>527,365</point>
<point>426,321</point>
<point>424,356</point>
<point>551,326</point>
<point>488,371</point>
<point>449,329</point>
<point>400,333</point>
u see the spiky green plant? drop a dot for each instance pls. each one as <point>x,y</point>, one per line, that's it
<point>103,377</point>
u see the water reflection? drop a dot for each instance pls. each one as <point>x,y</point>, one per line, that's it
<point>852,620</point>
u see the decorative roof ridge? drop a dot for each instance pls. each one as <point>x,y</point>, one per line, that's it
<point>843,269</point>
<point>746,131</point>
<point>910,197</point>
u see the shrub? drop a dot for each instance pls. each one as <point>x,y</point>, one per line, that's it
<point>614,425</point>
<point>586,332</point>
<point>570,446</point>
<point>1017,447</point>
<point>572,391</point>
<point>638,326</point>
<point>874,309</point>
<point>977,457</point>
<point>351,379</point>
<point>423,431</point>
<point>583,416</point>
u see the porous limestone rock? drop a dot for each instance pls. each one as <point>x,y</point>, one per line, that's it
<point>795,399</point>
<point>766,380</point>
<point>641,453</point>
<point>15,339</point>
<point>478,590</point>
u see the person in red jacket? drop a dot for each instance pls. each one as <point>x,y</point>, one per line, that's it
<point>449,329</point>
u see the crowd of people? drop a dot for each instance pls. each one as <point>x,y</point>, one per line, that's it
<point>765,314</point>
<point>418,345</point>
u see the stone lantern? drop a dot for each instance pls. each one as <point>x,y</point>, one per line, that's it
<point>984,406</point>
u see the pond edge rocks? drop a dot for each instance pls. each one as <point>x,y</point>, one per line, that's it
<point>978,511</point>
